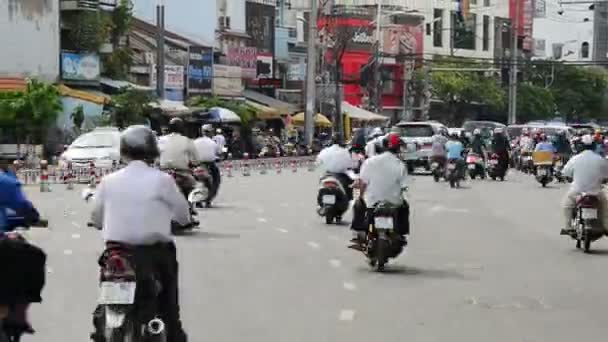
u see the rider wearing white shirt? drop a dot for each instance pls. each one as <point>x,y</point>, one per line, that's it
<point>588,170</point>
<point>208,152</point>
<point>135,206</point>
<point>337,160</point>
<point>219,139</point>
<point>177,152</point>
<point>374,141</point>
<point>383,180</point>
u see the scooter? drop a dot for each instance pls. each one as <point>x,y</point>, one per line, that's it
<point>202,194</point>
<point>544,174</point>
<point>585,224</point>
<point>332,198</point>
<point>475,166</point>
<point>494,169</point>
<point>437,170</point>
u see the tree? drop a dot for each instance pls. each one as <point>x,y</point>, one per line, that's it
<point>534,102</point>
<point>132,106</point>
<point>116,65</point>
<point>77,117</point>
<point>460,88</point>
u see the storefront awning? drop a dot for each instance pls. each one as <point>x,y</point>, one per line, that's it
<point>282,107</point>
<point>84,95</point>
<point>117,84</point>
<point>264,112</point>
<point>361,114</point>
<point>12,84</point>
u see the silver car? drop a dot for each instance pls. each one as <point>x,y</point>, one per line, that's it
<point>101,146</point>
<point>417,137</point>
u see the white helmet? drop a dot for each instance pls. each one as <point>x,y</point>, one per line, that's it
<point>218,131</point>
<point>587,139</point>
<point>476,131</point>
<point>498,130</point>
<point>207,128</point>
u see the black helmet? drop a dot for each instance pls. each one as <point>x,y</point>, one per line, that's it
<point>139,143</point>
<point>176,125</point>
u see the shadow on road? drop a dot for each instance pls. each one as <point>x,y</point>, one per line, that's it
<point>411,271</point>
<point>197,234</point>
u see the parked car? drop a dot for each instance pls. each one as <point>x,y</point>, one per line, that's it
<point>417,138</point>
<point>100,146</point>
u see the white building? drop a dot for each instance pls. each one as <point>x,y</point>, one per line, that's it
<point>29,36</point>
<point>563,33</point>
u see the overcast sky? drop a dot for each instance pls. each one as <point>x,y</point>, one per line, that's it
<point>195,18</point>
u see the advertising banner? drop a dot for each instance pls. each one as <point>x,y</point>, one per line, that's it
<point>80,67</point>
<point>200,69</point>
<point>227,81</point>
<point>406,39</point>
<point>174,77</point>
<point>264,66</point>
<point>260,25</point>
<point>246,58</point>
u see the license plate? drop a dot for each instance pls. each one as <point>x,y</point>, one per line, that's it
<point>589,214</point>
<point>471,166</point>
<point>116,293</point>
<point>451,166</point>
<point>434,165</point>
<point>493,162</point>
<point>329,199</point>
<point>382,222</point>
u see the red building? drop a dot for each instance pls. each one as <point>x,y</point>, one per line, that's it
<point>402,42</point>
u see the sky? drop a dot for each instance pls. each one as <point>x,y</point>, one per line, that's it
<point>194,18</point>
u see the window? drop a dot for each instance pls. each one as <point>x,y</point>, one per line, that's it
<point>486,33</point>
<point>438,27</point>
<point>388,82</point>
<point>464,31</point>
<point>585,50</point>
<point>428,29</point>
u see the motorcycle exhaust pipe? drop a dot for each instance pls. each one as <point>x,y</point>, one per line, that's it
<point>156,326</point>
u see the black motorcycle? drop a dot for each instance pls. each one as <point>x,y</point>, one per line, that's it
<point>383,243</point>
<point>332,199</point>
<point>128,303</point>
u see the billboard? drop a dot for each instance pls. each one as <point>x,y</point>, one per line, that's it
<point>200,69</point>
<point>246,58</point>
<point>174,77</point>
<point>260,25</point>
<point>227,81</point>
<point>404,39</point>
<point>80,67</point>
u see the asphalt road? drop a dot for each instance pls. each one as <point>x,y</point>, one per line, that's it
<point>485,263</point>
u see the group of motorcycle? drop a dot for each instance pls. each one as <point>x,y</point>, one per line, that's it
<point>454,171</point>
<point>544,166</point>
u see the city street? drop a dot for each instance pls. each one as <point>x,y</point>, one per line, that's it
<point>485,263</point>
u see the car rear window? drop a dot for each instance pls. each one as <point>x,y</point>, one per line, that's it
<point>414,131</point>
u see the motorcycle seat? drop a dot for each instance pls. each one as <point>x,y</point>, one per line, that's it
<point>587,201</point>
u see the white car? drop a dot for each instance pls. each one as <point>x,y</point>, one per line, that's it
<point>101,146</point>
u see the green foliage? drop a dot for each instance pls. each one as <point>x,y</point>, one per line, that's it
<point>122,18</point>
<point>131,107</point>
<point>580,92</point>
<point>88,29</point>
<point>248,114</point>
<point>534,102</point>
<point>117,64</point>
<point>29,113</point>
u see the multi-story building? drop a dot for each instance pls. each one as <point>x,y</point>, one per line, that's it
<point>563,33</point>
<point>29,39</point>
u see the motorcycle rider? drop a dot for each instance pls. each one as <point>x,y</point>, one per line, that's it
<point>501,146</point>
<point>455,149</point>
<point>219,139</point>
<point>526,143</point>
<point>544,144</point>
<point>374,142</point>
<point>382,179</point>
<point>478,145</point>
<point>135,206</point>
<point>178,152</point>
<point>438,151</point>
<point>208,151</point>
<point>588,170</point>
<point>13,198</point>
<point>336,160</point>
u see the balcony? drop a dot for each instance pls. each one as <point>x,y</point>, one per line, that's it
<point>87,5</point>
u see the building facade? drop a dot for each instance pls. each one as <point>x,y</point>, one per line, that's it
<point>21,23</point>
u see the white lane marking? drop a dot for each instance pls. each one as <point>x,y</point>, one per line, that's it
<point>75,224</point>
<point>335,263</point>
<point>282,230</point>
<point>261,219</point>
<point>314,245</point>
<point>67,252</point>
<point>211,239</point>
<point>347,315</point>
<point>439,208</point>
<point>75,236</point>
<point>259,211</point>
<point>350,286</point>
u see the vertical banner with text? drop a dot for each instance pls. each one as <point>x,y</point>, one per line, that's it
<point>200,70</point>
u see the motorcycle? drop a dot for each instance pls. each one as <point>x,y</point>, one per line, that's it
<point>475,166</point>
<point>584,224</point>
<point>543,164</point>
<point>437,170</point>
<point>453,174</point>
<point>526,163</point>
<point>544,174</point>
<point>332,198</point>
<point>494,168</point>
<point>202,194</point>
<point>195,197</point>
<point>383,243</point>
<point>559,168</point>
<point>120,315</point>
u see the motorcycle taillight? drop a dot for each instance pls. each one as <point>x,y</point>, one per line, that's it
<point>587,202</point>
<point>330,184</point>
<point>117,266</point>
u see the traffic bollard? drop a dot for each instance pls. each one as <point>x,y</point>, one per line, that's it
<point>44,176</point>
<point>263,167</point>
<point>69,177</point>
<point>294,166</point>
<point>245,164</point>
<point>92,175</point>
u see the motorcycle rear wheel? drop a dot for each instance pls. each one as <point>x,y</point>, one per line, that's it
<point>382,247</point>
<point>329,219</point>
<point>587,243</point>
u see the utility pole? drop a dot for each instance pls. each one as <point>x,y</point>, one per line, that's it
<point>311,69</point>
<point>513,70</point>
<point>160,49</point>
<point>378,57</point>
